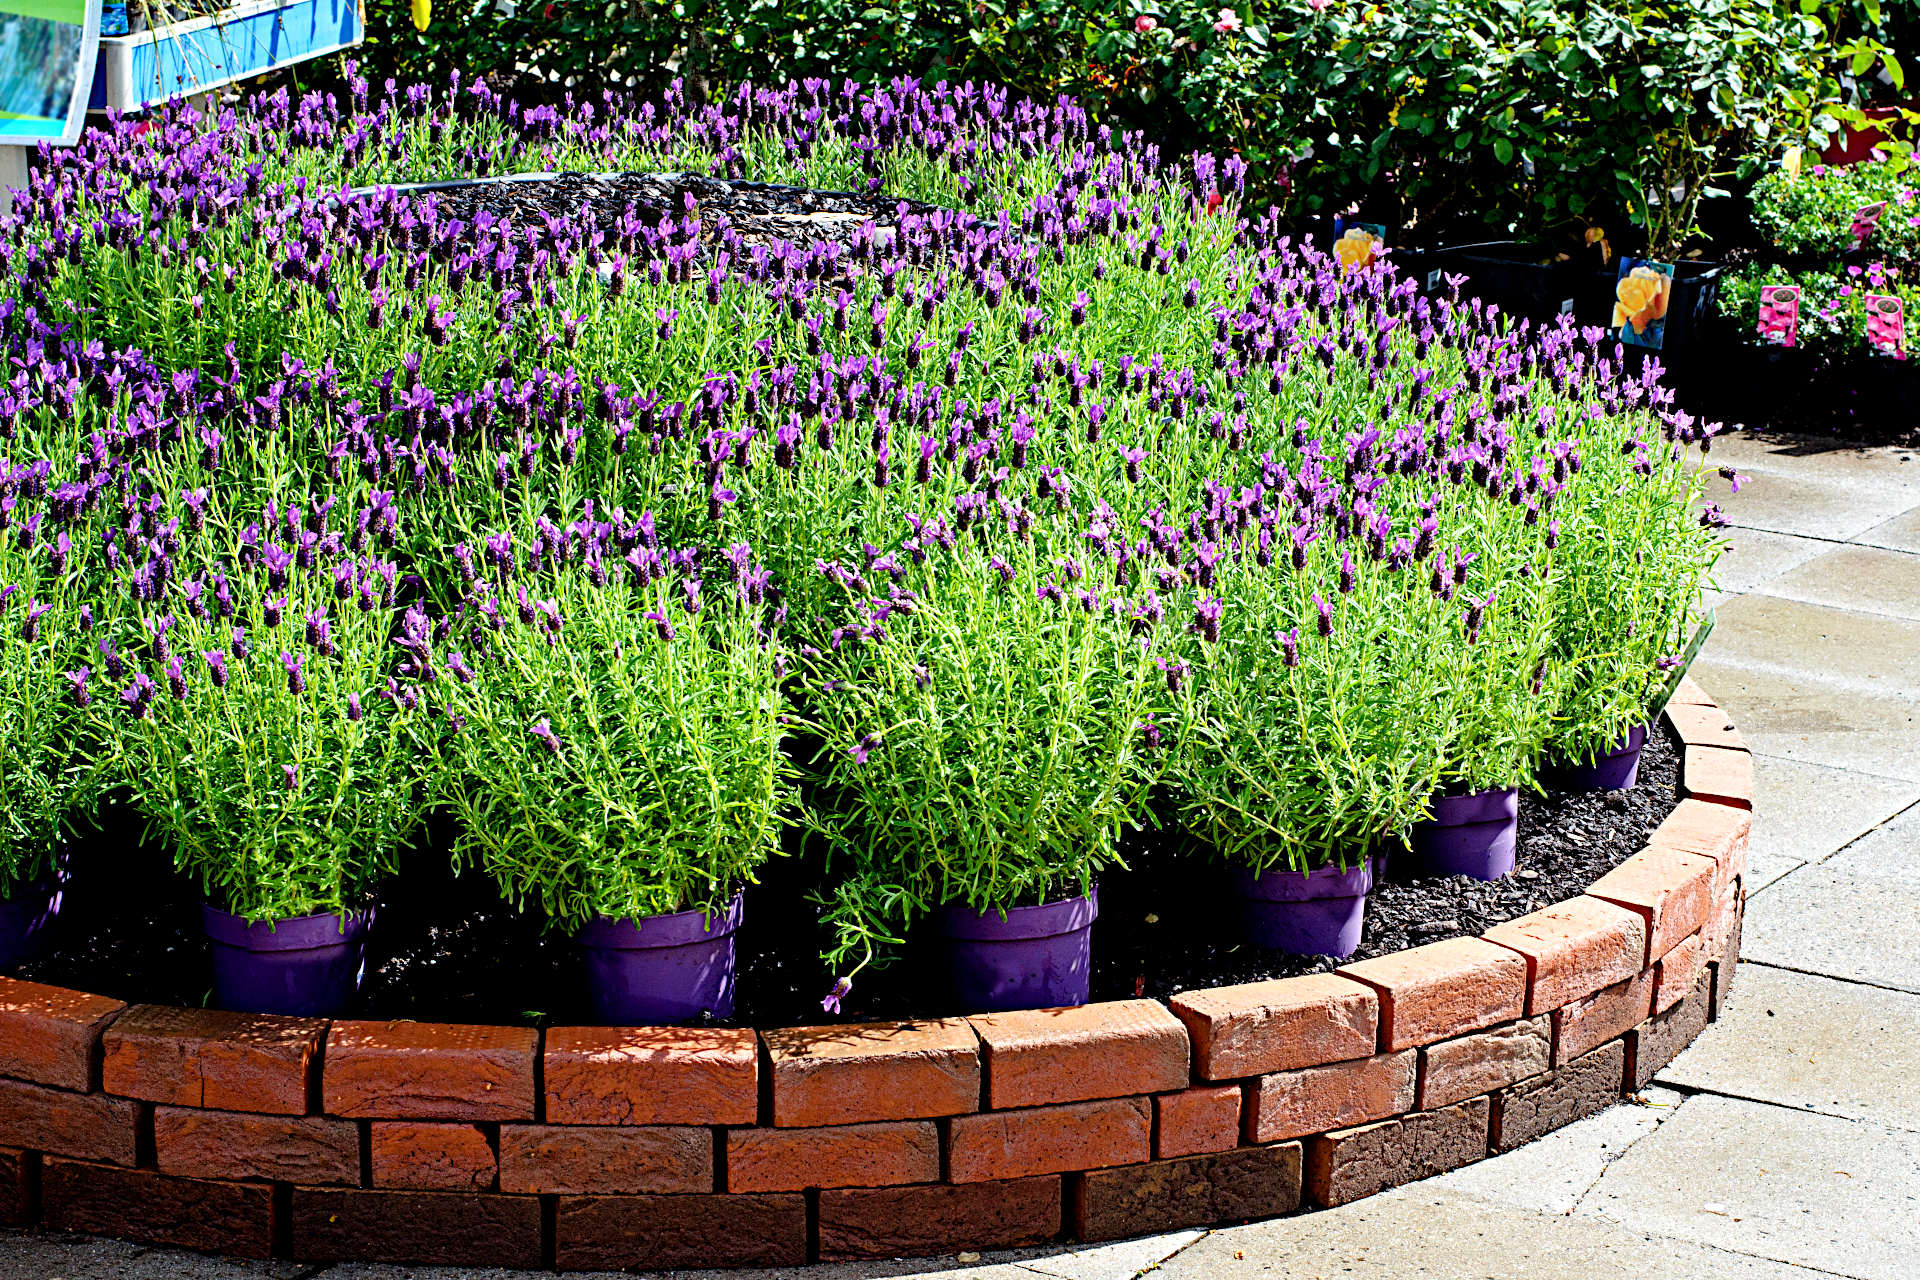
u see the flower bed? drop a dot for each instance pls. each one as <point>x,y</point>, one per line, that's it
<point>610,1147</point>
<point>644,545</point>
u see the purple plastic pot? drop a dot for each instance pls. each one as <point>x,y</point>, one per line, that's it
<point>1470,835</point>
<point>662,969</point>
<point>1615,769</point>
<point>308,966</point>
<point>1318,913</point>
<point>28,914</point>
<point>1036,958</point>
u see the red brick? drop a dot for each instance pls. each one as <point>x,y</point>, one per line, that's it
<point>1455,1070</point>
<point>1718,775</point>
<point>431,1228</point>
<point>89,1126</point>
<point>1672,892</point>
<point>652,1075</point>
<point>1443,989</point>
<point>51,1035</point>
<point>1258,1027</point>
<point>591,1160</point>
<point>1676,972</point>
<point>1292,1104</point>
<point>421,1156</point>
<point>1690,694</point>
<point>1167,1195</point>
<point>1704,725</point>
<point>849,1155</point>
<point>213,1058</point>
<point>1659,1040</point>
<point>1122,1047</point>
<point>429,1071</point>
<point>909,1222</point>
<point>1574,948</point>
<point>1355,1163</point>
<point>1714,831</point>
<point>1724,968</point>
<point>238,1146</point>
<point>1587,1084</point>
<point>19,1178</point>
<point>1585,1025</point>
<point>608,1233</point>
<point>138,1204</point>
<point>873,1071</point>
<point>1195,1121</point>
<point>1019,1144</point>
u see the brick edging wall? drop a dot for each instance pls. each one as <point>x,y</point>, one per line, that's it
<point>625,1147</point>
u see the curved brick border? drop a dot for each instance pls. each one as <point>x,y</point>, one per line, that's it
<point>592,1147</point>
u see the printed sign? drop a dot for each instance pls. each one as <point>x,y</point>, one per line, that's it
<point>1640,298</point>
<point>1780,314</point>
<point>47,52</point>
<point>1865,219</point>
<point>1887,325</point>
<point>1358,244</point>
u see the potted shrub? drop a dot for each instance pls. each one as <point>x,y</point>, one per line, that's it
<point>263,744</point>
<point>1634,548</point>
<point>612,750</point>
<point>986,730</point>
<point>51,771</point>
<point>1304,748</point>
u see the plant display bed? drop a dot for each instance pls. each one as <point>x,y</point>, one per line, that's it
<point>607,1147</point>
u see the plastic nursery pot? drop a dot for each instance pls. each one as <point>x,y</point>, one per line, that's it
<point>1521,279</point>
<point>1615,769</point>
<point>1035,958</point>
<point>28,914</point>
<point>662,969</point>
<point>1318,913</point>
<point>1469,835</point>
<point>308,966</point>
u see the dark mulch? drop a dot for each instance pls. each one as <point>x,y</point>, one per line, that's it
<point>446,949</point>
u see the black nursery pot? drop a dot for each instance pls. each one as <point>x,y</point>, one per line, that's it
<point>1521,279</point>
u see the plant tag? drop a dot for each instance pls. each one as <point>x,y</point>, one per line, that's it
<point>1640,298</point>
<point>1679,672</point>
<point>1865,219</point>
<point>1433,280</point>
<point>1358,244</point>
<point>1566,306</point>
<point>1887,325</point>
<point>1780,314</point>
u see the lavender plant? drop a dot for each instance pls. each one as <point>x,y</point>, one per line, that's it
<point>51,774</point>
<point>614,716</point>
<point>986,716</point>
<point>244,676</point>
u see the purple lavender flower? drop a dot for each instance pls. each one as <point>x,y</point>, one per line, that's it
<point>543,730</point>
<point>296,679</point>
<point>77,685</point>
<point>138,695</point>
<point>842,987</point>
<point>1206,618</point>
<point>216,666</point>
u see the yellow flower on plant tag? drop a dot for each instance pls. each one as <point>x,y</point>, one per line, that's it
<point>422,14</point>
<point>1356,248</point>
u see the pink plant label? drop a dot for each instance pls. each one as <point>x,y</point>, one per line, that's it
<point>1780,314</point>
<point>1865,219</point>
<point>1887,325</point>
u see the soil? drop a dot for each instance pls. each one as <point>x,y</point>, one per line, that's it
<point>761,213</point>
<point>445,948</point>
